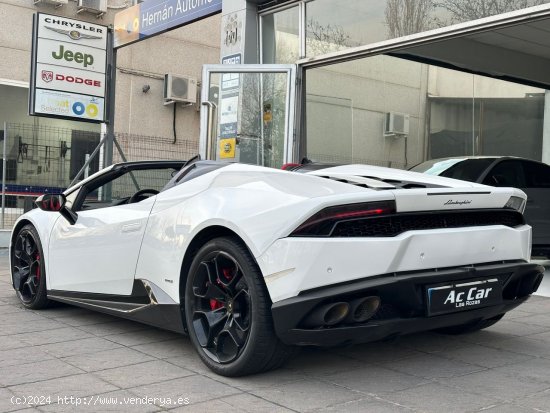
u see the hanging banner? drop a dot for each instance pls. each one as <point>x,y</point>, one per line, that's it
<point>157,16</point>
<point>68,71</point>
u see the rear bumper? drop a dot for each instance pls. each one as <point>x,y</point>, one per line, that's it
<point>296,264</point>
<point>404,307</point>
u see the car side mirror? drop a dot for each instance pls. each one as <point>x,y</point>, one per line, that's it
<point>51,202</point>
<point>56,203</point>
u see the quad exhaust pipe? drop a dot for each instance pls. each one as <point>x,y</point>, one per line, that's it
<point>362,309</point>
<point>358,310</point>
<point>327,315</point>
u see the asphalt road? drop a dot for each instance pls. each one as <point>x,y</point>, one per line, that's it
<point>66,356</point>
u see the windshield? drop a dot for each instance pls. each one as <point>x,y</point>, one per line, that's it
<point>435,166</point>
<point>457,168</point>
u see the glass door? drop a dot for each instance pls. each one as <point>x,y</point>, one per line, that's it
<point>247,114</point>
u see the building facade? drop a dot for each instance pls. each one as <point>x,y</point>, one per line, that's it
<point>45,153</point>
<point>354,102</point>
<point>348,103</point>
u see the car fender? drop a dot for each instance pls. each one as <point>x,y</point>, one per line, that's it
<point>43,222</point>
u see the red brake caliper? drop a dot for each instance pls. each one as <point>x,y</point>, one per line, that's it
<point>227,274</point>
<point>215,304</point>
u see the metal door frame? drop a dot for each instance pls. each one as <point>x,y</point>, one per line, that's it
<point>208,120</point>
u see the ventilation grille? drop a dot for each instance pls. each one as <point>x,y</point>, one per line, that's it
<point>390,226</point>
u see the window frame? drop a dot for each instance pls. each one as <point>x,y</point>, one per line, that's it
<point>114,173</point>
<point>499,163</point>
<point>527,179</point>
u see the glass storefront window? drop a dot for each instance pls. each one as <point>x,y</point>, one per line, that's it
<point>450,113</point>
<point>346,105</point>
<point>251,112</point>
<point>280,36</point>
<point>333,25</point>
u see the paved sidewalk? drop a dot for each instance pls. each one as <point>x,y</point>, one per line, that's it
<point>68,351</point>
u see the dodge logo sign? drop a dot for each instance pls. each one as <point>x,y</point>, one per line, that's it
<point>47,76</point>
<point>78,80</point>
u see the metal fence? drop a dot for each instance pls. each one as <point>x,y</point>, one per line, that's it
<point>139,147</point>
<point>44,159</point>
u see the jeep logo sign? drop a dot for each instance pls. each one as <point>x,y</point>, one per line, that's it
<point>65,54</point>
<point>69,68</point>
<point>70,56</point>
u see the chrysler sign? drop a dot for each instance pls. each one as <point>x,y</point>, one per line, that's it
<point>68,68</point>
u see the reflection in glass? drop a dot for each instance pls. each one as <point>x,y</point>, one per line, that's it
<point>251,118</point>
<point>347,105</point>
<point>337,25</point>
<point>491,117</point>
<point>450,113</point>
<point>280,41</point>
<point>333,25</point>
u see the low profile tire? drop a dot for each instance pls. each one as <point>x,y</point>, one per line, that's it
<point>28,269</point>
<point>470,327</point>
<point>228,311</point>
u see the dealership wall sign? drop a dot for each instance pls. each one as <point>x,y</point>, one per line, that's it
<point>157,16</point>
<point>69,65</point>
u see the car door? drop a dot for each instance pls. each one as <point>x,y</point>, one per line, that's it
<point>506,173</point>
<point>516,173</point>
<point>537,212</point>
<point>98,254</point>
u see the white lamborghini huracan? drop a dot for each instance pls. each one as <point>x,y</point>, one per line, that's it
<point>249,261</point>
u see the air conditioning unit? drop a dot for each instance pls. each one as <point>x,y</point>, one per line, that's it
<point>396,124</point>
<point>98,7</point>
<point>56,3</point>
<point>180,89</point>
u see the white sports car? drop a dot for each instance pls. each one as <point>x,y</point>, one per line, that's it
<point>249,260</point>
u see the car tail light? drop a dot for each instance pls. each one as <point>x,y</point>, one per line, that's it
<point>322,223</point>
<point>517,203</point>
<point>290,166</point>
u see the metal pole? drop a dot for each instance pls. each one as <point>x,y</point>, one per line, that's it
<point>110,132</point>
<point>87,170</point>
<point>4,162</point>
<point>121,152</point>
<point>90,159</point>
<point>110,129</point>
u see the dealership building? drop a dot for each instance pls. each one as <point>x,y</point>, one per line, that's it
<point>45,153</point>
<point>389,83</point>
<point>394,83</point>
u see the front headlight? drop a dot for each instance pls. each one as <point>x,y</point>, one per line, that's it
<point>517,203</point>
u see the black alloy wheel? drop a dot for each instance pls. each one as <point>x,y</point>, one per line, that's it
<point>221,313</point>
<point>228,311</point>
<point>28,270</point>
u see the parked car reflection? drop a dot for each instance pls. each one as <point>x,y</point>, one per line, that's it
<point>530,176</point>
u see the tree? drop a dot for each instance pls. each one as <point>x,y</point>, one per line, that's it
<point>404,17</point>
<point>464,10</point>
<point>328,38</point>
